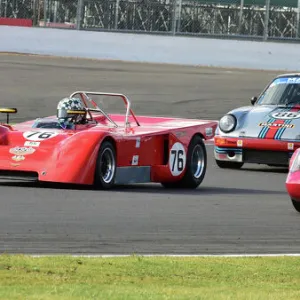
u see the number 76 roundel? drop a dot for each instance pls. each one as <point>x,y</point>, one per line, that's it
<point>37,136</point>
<point>177,159</point>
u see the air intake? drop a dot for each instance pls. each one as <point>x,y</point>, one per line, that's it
<point>19,175</point>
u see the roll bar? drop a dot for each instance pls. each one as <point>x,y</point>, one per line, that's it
<point>84,96</point>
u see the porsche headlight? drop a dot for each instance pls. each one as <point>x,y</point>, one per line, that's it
<point>227,123</point>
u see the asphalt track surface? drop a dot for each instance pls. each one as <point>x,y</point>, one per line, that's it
<point>232,212</point>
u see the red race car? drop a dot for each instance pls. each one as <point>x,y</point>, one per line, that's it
<point>85,144</point>
<point>293,180</point>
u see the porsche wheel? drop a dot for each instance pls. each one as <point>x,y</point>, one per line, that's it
<point>105,166</point>
<point>196,163</point>
<point>296,205</point>
<point>228,164</point>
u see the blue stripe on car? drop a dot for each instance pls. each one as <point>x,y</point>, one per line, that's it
<point>225,150</point>
<point>280,132</point>
<point>265,129</point>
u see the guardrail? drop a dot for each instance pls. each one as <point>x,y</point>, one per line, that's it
<point>247,19</point>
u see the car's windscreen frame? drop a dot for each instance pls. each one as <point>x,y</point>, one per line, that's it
<point>281,91</point>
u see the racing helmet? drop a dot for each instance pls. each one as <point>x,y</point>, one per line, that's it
<point>70,104</point>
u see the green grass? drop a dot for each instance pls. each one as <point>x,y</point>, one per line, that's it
<point>135,277</point>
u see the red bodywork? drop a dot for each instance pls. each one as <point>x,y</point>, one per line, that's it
<point>293,177</point>
<point>69,156</point>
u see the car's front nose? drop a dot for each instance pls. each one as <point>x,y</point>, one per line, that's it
<point>254,150</point>
<point>292,182</point>
<point>293,185</point>
<point>262,134</point>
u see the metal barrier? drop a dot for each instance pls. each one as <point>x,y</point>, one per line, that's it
<point>255,19</point>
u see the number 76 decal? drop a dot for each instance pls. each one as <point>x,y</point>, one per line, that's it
<point>37,136</point>
<point>177,159</point>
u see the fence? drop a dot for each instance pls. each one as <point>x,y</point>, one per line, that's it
<point>264,19</point>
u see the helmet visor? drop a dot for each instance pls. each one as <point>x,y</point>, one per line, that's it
<point>62,113</point>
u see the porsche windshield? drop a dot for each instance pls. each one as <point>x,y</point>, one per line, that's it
<point>282,91</point>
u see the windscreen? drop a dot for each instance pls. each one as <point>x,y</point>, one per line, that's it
<point>108,103</point>
<point>282,91</point>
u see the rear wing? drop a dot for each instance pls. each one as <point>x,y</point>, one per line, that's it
<point>8,111</point>
<point>84,95</point>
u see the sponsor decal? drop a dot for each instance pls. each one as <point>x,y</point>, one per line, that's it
<point>209,131</point>
<point>286,115</point>
<point>290,146</point>
<point>22,150</point>
<point>135,160</point>
<point>285,80</point>
<point>32,144</point>
<point>14,164</point>
<point>18,158</point>
<point>138,142</point>
<point>180,134</point>
<point>239,143</point>
<point>277,125</point>
<point>177,159</point>
<point>38,136</point>
<point>19,152</point>
<point>293,80</point>
<point>242,133</point>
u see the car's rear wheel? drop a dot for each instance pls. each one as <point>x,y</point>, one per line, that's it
<point>228,164</point>
<point>105,166</point>
<point>296,205</point>
<point>196,164</point>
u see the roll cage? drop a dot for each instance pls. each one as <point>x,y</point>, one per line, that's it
<point>84,96</point>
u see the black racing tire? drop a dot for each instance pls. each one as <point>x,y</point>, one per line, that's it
<point>194,173</point>
<point>228,164</point>
<point>296,205</point>
<point>106,166</point>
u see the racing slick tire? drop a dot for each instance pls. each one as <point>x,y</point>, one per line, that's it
<point>296,205</point>
<point>196,163</point>
<point>228,164</point>
<point>105,172</point>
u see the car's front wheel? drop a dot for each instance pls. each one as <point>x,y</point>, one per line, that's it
<point>105,166</point>
<point>296,205</point>
<point>228,164</point>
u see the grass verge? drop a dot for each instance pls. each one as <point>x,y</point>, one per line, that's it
<point>136,277</point>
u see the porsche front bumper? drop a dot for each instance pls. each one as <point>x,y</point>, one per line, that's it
<point>253,150</point>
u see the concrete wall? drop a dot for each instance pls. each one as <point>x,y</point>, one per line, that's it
<point>151,48</point>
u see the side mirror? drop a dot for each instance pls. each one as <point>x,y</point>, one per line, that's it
<point>253,100</point>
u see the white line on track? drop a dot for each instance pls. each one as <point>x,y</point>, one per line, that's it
<point>165,255</point>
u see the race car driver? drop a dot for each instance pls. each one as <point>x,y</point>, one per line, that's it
<point>73,104</point>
